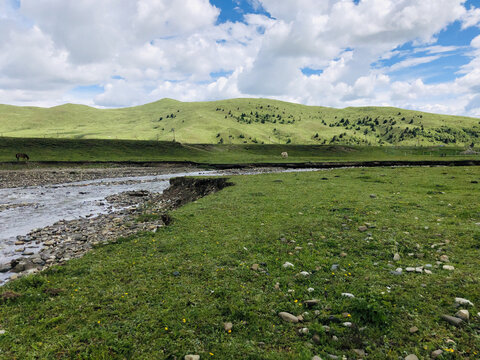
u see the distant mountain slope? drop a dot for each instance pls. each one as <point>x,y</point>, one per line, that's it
<point>241,121</point>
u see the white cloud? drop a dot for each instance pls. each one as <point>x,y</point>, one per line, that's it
<point>142,50</point>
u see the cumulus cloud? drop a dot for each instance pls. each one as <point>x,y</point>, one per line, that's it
<point>142,50</point>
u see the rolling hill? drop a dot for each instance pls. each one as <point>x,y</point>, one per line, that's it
<point>241,121</point>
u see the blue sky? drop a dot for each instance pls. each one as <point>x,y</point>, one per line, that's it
<point>416,54</point>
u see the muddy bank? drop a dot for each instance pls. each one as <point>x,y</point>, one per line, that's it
<point>25,176</point>
<point>144,211</point>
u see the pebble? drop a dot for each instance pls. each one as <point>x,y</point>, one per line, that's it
<point>277,286</point>
<point>413,329</point>
<point>410,269</point>
<point>396,257</point>
<point>228,326</point>
<point>334,267</point>
<point>304,273</point>
<point>255,267</point>
<point>362,228</point>
<point>348,295</point>
<point>444,258</point>
<point>312,302</point>
<point>287,265</point>
<point>429,272</point>
<point>288,317</point>
<point>373,196</point>
<point>310,289</point>
<point>343,254</point>
<point>436,353</point>
<point>448,267</point>
<point>2,332</point>
<point>316,339</point>
<point>411,357</point>
<point>316,357</point>
<point>463,301</point>
<point>418,269</point>
<point>303,331</point>
<point>360,352</point>
<point>192,357</point>
<point>452,320</point>
<point>347,324</point>
<point>463,314</point>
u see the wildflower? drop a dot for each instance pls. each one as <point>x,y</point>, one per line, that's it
<point>211,354</point>
<point>229,331</point>
<point>166,328</point>
<point>295,301</point>
<point>98,322</point>
<point>184,320</point>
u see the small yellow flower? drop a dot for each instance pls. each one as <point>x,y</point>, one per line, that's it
<point>349,315</point>
<point>349,273</point>
<point>295,301</point>
<point>333,273</point>
<point>166,328</point>
<point>184,320</point>
<point>98,322</point>
<point>211,354</point>
<point>229,331</point>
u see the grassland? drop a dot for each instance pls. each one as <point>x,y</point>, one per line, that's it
<point>126,300</point>
<point>136,150</point>
<point>241,121</point>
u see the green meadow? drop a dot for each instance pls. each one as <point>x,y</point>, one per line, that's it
<point>241,121</point>
<point>85,150</point>
<point>168,294</point>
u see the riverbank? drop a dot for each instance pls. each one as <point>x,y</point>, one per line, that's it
<point>141,211</point>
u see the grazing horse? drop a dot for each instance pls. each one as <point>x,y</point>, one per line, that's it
<point>22,156</point>
<point>284,155</point>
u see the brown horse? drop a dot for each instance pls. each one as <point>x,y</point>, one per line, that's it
<point>22,156</point>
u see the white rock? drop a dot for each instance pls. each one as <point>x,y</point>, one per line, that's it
<point>347,324</point>
<point>348,295</point>
<point>429,272</point>
<point>316,357</point>
<point>463,301</point>
<point>448,267</point>
<point>288,265</point>
<point>305,273</point>
<point>444,258</point>
<point>419,270</point>
<point>310,289</point>
<point>410,269</point>
<point>396,257</point>
<point>399,270</point>
<point>2,332</point>
<point>192,357</point>
<point>411,357</point>
<point>463,314</point>
<point>288,317</point>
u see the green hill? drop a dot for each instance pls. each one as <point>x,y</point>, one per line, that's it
<point>240,121</point>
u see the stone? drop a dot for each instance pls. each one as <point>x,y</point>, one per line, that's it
<point>418,270</point>
<point>311,303</point>
<point>335,338</point>
<point>304,273</point>
<point>316,339</point>
<point>436,353</point>
<point>334,267</point>
<point>192,357</point>
<point>396,257</point>
<point>360,352</point>
<point>362,228</point>
<point>303,331</point>
<point>310,289</point>
<point>463,301</point>
<point>255,267</point>
<point>316,357</point>
<point>413,329</point>
<point>285,316</point>
<point>2,332</point>
<point>452,320</point>
<point>463,314</point>
<point>411,357</point>
<point>348,295</point>
<point>343,254</point>
<point>429,272</point>
<point>5,267</point>
<point>228,326</point>
<point>300,318</point>
<point>444,258</point>
<point>448,267</point>
<point>288,265</point>
<point>410,269</point>
<point>277,286</point>
<point>373,196</point>
<point>347,324</point>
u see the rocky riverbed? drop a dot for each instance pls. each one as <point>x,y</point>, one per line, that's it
<point>141,211</point>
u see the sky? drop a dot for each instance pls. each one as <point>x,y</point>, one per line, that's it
<point>414,54</point>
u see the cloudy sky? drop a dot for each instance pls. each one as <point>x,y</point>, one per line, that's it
<point>417,54</point>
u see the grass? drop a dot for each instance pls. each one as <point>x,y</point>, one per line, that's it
<point>130,150</point>
<point>241,121</point>
<point>123,300</point>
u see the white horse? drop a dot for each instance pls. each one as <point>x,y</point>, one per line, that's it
<point>284,155</point>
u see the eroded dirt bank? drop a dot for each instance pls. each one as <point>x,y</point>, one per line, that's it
<point>145,211</point>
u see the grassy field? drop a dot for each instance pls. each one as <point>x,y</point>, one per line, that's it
<point>130,150</point>
<point>125,300</point>
<point>241,121</point>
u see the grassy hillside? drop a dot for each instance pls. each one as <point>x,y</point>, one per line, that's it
<point>241,121</point>
<point>167,294</point>
<point>137,150</point>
